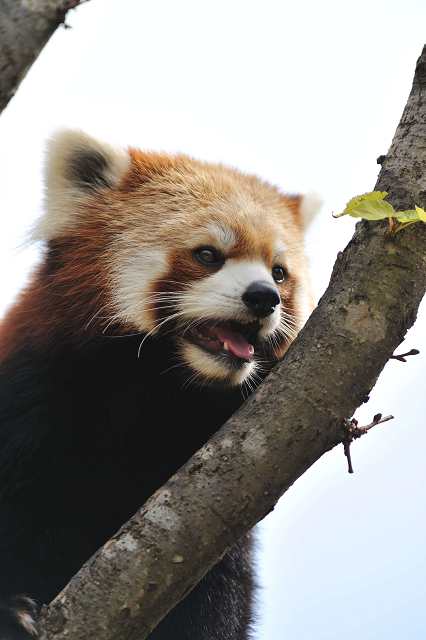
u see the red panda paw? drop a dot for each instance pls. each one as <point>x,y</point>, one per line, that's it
<point>18,619</point>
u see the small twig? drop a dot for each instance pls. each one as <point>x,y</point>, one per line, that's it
<point>353,432</point>
<point>73,4</point>
<point>346,445</point>
<point>393,228</point>
<point>402,356</point>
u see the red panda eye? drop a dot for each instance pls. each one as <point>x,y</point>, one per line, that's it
<point>208,256</point>
<point>279,274</point>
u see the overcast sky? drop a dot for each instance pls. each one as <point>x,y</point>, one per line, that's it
<point>307,95</point>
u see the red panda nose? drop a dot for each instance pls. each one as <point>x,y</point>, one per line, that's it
<point>261,298</point>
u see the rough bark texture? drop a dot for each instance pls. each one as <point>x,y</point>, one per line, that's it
<point>25,27</point>
<point>294,417</point>
<point>403,172</point>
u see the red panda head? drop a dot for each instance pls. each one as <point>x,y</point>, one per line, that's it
<point>161,245</point>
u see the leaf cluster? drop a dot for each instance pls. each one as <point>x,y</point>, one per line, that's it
<point>372,206</point>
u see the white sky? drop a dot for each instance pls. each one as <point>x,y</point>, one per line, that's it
<point>307,95</point>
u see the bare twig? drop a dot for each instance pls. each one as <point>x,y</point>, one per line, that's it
<point>353,431</point>
<point>401,357</point>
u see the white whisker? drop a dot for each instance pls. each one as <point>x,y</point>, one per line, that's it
<point>94,316</point>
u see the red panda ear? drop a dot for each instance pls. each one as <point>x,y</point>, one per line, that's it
<point>304,208</point>
<point>309,206</point>
<point>77,165</point>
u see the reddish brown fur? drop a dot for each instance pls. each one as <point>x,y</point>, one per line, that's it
<point>89,430</point>
<point>75,303</point>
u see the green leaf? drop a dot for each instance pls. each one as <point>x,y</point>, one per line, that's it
<point>421,213</point>
<point>406,216</point>
<point>372,210</point>
<point>365,197</point>
<point>372,206</point>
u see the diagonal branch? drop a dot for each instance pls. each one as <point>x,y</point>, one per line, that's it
<point>25,27</point>
<point>294,417</point>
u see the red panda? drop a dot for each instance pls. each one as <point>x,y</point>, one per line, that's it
<point>167,290</point>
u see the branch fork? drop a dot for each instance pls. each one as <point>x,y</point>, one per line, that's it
<point>353,431</point>
<point>401,357</point>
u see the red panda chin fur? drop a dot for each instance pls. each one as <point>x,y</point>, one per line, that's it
<point>106,388</point>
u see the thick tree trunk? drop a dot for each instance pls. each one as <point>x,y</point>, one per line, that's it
<point>295,416</point>
<point>25,27</point>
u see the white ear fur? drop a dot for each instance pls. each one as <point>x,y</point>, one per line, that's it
<point>309,207</point>
<point>77,166</point>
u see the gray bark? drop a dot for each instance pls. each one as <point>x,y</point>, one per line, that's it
<point>25,27</point>
<point>295,416</point>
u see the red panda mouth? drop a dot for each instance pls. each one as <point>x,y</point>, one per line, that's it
<point>233,339</point>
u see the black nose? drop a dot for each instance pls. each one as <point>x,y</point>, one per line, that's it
<point>261,298</point>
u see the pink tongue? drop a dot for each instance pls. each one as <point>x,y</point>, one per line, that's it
<point>236,343</point>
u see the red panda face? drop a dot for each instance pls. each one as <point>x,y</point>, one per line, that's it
<point>224,293</point>
<point>209,257</point>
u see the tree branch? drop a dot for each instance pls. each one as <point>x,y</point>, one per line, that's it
<point>25,27</point>
<point>294,417</point>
